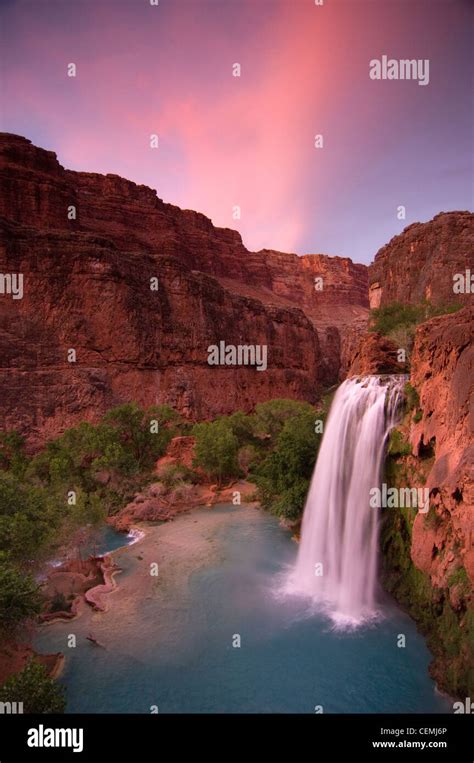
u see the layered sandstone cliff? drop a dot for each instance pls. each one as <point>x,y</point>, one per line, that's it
<point>423,261</point>
<point>375,354</point>
<point>88,246</point>
<point>428,559</point>
<point>443,374</point>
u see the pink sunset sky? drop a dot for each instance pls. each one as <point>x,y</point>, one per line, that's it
<point>249,140</point>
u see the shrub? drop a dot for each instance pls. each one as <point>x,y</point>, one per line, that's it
<point>460,577</point>
<point>247,457</point>
<point>216,449</point>
<point>177,473</point>
<point>124,446</point>
<point>12,455</point>
<point>182,491</point>
<point>242,427</point>
<point>399,321</point>
<point>397,444</point>
<point>283,477</point>
<point>59,603</point>
<point>412,399</point>
<point>390,317</point>
<point>27,517</point>
<point>135,432</point>
<point>270,417</point>
<point>33,686</point>
<point>20,598</point>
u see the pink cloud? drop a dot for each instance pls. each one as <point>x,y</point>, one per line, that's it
<point>223,142</point>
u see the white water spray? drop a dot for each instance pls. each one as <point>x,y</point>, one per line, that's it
<point>337,559</point>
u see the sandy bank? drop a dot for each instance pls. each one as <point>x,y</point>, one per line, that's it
<point>156,572</point>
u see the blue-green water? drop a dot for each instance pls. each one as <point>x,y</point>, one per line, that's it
<point>169,640</point>
<point>106,539</point>
<point>96,541</point>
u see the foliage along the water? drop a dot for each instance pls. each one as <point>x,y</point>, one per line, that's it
<point>92,470</point>
<point>33,687</point>
<point>275,447</point>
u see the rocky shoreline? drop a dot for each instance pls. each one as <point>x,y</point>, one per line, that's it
<point>14,656</point>
<point>89,582</point>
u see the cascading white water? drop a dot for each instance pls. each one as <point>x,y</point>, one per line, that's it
<point>337,559</point>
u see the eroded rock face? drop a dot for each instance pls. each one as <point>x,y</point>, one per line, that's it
<point>376,354</point>
<point>88,246</point>
<point>181,451</point>
<point>421,263</point>
<point>443,372</point>
<point>428,558</point>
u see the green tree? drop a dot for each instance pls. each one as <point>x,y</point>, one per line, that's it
<point>12,454</point>
<point>283,477</point>
<point>20,597</point>
<point>144,434</point>
<point>89,509</point>
<point>68,460</point>
<point>28,517</point>
<point>217,449</point>
<point>242,427</point>
<point>103,464</point>
<point>33,686</point>
<point>271,416</point>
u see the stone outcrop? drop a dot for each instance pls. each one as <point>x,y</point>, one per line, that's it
<point>160,503</point>
<point>421,263</point>
<point>88,246</point>
<point>375,354</point>
<point>96,597</point>
<point>15,656</point>
<point>180,452</point>
<point>79,581</point>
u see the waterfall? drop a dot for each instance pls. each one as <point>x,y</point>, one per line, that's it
<point>337,559</point>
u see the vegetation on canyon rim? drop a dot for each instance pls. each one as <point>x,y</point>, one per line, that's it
<point>398,321</point>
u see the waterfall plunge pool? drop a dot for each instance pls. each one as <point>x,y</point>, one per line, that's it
<point>169,640</point>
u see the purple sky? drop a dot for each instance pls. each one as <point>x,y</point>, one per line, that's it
<point>249,140</point>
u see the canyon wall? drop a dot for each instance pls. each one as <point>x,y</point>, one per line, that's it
<point>421,263</point>
<point>443,373</point>
<point>428,559</point>
<point>88,246</point>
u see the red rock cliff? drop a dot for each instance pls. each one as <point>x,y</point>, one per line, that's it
<point>87,289</point>
<point>421,263</point>
<point>443,373</point>
<point>429,557</point>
